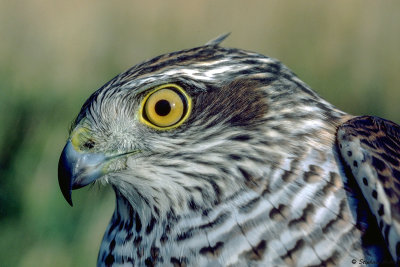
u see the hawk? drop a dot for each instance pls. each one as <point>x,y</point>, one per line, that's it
<point>224,157</point>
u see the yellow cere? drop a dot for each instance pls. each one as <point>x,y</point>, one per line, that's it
<point>163,108</point>
<point>78,137</point>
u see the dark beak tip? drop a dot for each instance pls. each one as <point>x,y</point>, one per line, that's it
<point>64,179</point>
<point>77,169</point>
<point>68,198</point>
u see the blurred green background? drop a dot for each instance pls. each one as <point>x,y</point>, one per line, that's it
<point>54,54</point>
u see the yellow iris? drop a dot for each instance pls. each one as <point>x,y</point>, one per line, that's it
<point>165,107</point>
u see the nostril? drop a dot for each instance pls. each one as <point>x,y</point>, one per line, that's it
<point>89,144</point>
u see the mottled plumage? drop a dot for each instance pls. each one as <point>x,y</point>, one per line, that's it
<point>249,173</point>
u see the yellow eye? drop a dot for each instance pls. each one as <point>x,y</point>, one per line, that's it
<point>166,107</point>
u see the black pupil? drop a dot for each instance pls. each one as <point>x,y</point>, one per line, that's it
<point>162,107</point>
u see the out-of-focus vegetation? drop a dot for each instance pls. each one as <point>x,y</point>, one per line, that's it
<point>54,54</point>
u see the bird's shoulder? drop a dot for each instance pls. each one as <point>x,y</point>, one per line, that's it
<point>370,147</point>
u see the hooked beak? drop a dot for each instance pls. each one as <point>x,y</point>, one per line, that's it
<point>77,169</point>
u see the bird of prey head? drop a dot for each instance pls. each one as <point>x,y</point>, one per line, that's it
<point>217,156</point>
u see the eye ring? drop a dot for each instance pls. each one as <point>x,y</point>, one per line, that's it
<point>166,107</point>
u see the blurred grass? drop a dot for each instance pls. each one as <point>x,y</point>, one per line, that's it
<point>54,54</point>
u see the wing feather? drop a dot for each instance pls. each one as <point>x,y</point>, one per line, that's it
<point>370,146</point>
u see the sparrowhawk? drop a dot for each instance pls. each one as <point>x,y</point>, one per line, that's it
<point>224,157</point>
